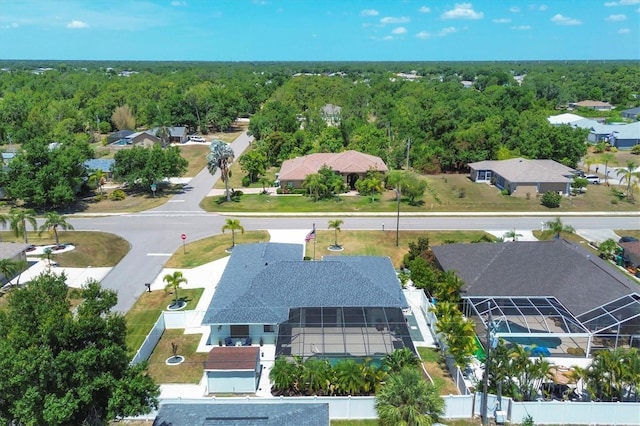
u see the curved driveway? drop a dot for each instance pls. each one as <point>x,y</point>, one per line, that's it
<point>155,234</point>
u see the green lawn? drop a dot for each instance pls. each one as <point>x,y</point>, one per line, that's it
<point>190,371</point>
<point>445,193</point>
<point>90,247</point>
<point>146,311</point>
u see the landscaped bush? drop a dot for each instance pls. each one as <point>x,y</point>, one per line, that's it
<point>551,199</point>
<point>636,149</point>
<point>246,181</point>
<point>117,195</point>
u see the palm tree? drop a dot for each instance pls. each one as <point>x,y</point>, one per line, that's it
<point>173,282</point>
<point>590,162</point>
<point>18,219</point>
<point>316,375</point>
<point>407,399</point>
<point>3,222</point>
<point>335,225</point>
<point>99,179</point>
<point>512,234</point>
<point>53,221</point>
<point>221,156</point>
<point>8,268</point>
<point>233,225</point>
<point>628,174</point>
<point>558,227</point>
<point>284,376</point>
<point>315,184</point>
<point>607,247</point>
<point>607,158</point>
<point>395,361</point>
<point>349,379</point>
<point>47,252</point>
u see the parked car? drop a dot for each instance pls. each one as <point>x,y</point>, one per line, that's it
<point>627,239</point>
<point>197,139</point>
<point>594,179</point>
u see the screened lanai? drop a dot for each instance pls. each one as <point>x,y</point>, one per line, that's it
<point>615,324</point>
<point>541,324</point>
<point>348,332</point>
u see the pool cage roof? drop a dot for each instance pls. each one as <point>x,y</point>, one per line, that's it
<point>526,315</point>
<point>343,332</point>
<point>621,316</point>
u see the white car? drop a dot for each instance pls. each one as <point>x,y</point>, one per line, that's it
<point>197,139</point>
<point>594,179</point>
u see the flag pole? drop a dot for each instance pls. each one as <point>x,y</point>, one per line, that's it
<point>314,241</point>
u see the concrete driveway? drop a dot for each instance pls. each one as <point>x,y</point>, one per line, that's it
<point>597,235</point>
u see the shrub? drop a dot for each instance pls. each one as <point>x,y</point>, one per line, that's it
<point>636,149</point>
<point>246,181</point>
<point>613,149</point>
<point>117,195</point>
<point>99,197</point>
<point>461,193</point>
<point>505,191</point>
<point>551,199</point>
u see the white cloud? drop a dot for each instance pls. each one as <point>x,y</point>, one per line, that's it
<point>514,9</point>
<point>369,12</point>
<point>462,11</point>
<point>446,31</point>
<point>423,35</point>
<point>424,9</point>
<point>565,20</point>
<point>77,24</point>
<point>615,18</point>
<point>624,31</point>
<point>399,30</point>
<point>178,3</point>
<point>521,28</point>
<point>541,7</point>
<point>622,3</point>
<point>394,20</point>
<point>501,21</point>
<point>388,38</point>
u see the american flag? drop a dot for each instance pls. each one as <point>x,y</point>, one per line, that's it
<point>311,235</point>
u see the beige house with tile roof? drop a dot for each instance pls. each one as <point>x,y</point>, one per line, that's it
<point>596,105</point>
<point>352,165</point>
<point>521,176</point>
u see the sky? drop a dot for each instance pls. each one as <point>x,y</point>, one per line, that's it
<point>305,30</point>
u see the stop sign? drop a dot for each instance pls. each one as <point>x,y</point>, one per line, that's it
<point>183,236</point>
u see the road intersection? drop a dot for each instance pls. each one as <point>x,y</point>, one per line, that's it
<point>155,234</point>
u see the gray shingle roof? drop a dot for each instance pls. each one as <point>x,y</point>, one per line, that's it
<point>249,414</point>
<point>555,268</point>
<point>255,289</point>
<point>523,170</point>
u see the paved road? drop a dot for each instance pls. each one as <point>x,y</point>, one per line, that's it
<point>154,235</point>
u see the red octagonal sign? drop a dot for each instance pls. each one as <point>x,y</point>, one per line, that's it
<point>183,236</point>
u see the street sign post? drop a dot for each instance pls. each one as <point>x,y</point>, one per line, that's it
<point>153,189</point>
<point>184,238</point>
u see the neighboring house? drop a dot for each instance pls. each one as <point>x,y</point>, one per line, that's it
<point>209,412</point>
<point>177,134</point>
<point>620,135</point>
<point>595,105</point>
<point>631,114</point>
<point>331,114</point>
<point>566,118</point>
<point>341,306</point>
<point>12,251</point>
<point>232,369</point>
<point>631,252</point>
<point>144,139</point>
<point>352,165</point>
<point>545,293</point>
<point>118,136</point>
<point>104,164</point>
<point>467,84</point>
<point>521,176</point>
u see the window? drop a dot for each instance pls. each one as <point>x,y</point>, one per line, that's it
<point>269,328</point>
<point>239,331</point>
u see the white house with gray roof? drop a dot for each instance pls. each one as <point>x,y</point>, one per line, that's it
<point>341,306</point>
<point>521,176</point>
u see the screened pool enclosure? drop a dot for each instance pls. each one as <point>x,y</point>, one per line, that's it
<point>347,332</point>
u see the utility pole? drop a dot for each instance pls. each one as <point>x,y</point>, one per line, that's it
<point>398,215</point>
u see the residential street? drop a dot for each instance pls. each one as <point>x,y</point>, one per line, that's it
<point>156,234</point>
